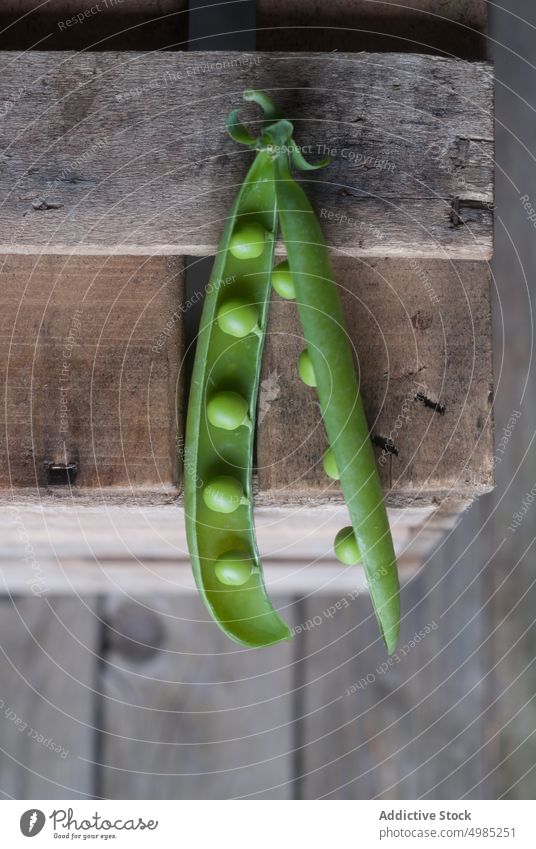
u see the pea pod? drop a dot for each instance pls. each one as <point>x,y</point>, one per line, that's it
<point>221,409</point>
<point>225,381</point>
<point>330,356</point>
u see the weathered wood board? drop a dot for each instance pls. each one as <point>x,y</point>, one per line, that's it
<point>47,696</point>
<point>89,365</point>
<point>63,546</point>
<point>126,152</point>
<point>508,522</point>
<point>422,336</point>
<point>93,378</point>
<point>105,25</point>
<point>417,726</point>
<point>205,718</point>
<point>452,27</point>
<point>172,710</point>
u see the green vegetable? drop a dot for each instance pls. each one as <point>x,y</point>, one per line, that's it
<point>228,410</point>
<point>330,465</point>
<point>231,364</point>
<point>305,368</point>
<point>237,317</point>
<point>248,241</point>
<point>224,494</point>
<point>234,568</point>
<point>346,548</point>
<point>338,393</point>
<point>218,457</point>
<point>282,281</point>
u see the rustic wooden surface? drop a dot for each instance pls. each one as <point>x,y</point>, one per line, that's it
<point>174,711</point>
<point>90,354</point>
<point>474,736</point>
<point>178,712</point>
<point>166,667</point>
<point>128,25</point>
<point>93,376</point>
<point>419,329</point>
<point>47,696</point>
<point>512,594</point>
<point>108,548</point>
<point>415,728</point>
<point>134,159</point>
<point>452,27</point>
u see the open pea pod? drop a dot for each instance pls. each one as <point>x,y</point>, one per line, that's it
<point>221,415</point>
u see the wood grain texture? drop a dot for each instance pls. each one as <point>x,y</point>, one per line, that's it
<point>107,549</point>
<point>414,728</point>
<point>123,25</point>
<point>452,27</point>
<point>509,517</point>
<point>188,714</point>
<point>420,329</point>
<point>109,153</point>
<point>92,376</point>
<point>89,370</point>
<point>47,697</point>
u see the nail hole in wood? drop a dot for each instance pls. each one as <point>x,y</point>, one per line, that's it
<point>61,474</point>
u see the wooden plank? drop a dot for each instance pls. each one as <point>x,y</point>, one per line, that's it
<point>112,549</point>
<point>47,696</point>
<point>68,25</point>
<point>90,361</point>
<point>421,330</point>
<point>508,521</point>
<point>416,727</point>
<point>452,27</point>
<point>92,378</point>
<point>134,157</point>
<point>188,714</point>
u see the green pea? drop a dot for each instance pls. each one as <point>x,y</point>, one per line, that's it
<point>247,241</point>
<point>346,548</point>
<point>282,281</point>
<point>305,368</point>
<point>330,465</point>
<point>237,317</point>
<point>234,568</point>
<point>227,410</point>
<point>224,494</point>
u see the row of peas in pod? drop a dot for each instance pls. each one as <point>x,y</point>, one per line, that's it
<point>224,389</point>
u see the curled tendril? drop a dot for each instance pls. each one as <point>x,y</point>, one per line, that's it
<point>238,132</point>
<point>276,133</point>
<point>271,112</point>
<point>300,163</point>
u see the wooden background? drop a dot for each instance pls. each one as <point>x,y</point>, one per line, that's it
<point>126,695</point>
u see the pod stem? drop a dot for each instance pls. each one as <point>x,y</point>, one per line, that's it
<point>271,112</point>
